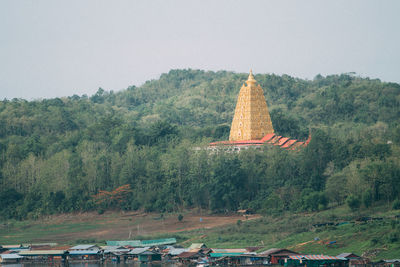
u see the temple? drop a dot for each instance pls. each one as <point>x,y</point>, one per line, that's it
<point>251,120</point>
<point>252,125</point>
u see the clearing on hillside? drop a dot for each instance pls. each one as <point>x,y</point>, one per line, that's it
<point>68,228</point>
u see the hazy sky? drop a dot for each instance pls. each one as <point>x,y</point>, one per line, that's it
<point>52,48</point>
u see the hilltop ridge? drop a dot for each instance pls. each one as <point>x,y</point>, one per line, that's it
<point>59,154</point>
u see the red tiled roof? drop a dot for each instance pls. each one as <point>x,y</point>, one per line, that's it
<point>289,143</point>
<point>267,137</point>
<point>281,141</point>
<point>275,139</point>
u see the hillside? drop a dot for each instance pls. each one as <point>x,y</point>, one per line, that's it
<point>132,150</point>
<point>368,232</point>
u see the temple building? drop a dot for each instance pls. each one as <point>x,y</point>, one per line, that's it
<point>251,124</point>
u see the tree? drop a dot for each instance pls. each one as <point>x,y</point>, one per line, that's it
<point>353,202</point>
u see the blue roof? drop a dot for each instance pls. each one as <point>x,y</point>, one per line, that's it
<point>219,255</point>
<point>84,252</point>
<point>132,243</point>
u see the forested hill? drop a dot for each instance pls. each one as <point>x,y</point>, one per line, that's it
<point>62,154</point>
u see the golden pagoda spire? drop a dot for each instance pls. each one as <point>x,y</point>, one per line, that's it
<point>251,79</point>
<point>251,120</point>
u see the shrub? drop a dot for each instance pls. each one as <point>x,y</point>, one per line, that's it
<point>374,241</point>
<point>353,202</point>
<point>180,217</point>
<point>367,198</point>
<point>396,205</point>
<point>100,211</point>
<point>393,237</point>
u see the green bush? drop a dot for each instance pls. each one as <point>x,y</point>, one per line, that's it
<point>353,202</point>
<point>374,241</point>
<point>367,198</point>
<point>393,237</point>
<point>100,211</point>
<point>396,205</point>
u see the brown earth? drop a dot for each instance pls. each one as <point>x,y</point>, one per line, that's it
<point>128,225</point>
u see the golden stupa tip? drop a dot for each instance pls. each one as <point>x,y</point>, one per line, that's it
<point>251,77</point>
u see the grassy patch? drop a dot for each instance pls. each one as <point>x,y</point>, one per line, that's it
<point>27,231</point>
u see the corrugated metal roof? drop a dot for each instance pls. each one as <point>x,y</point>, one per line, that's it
<point>84,252</point>
<point>16,247</point>
<point>12,246</point>
<point>84,247</point>
<point>197,245</point>
<point>11,256</point>
<point>15,250</point>
<point>314,257</point>
<point>42,244</point>
<point>278,250</point>
<point>392,261</point>
<point>219,255</point>
<point>158,242</point>
<point>177,251</point>
<point>119,251</point>
<point>345,255</point>
<point>144,243</point>
<point>132,243</point>
<point>229,250</point>
<point>112,247</point>
<point>137,251</point>
<point>149,252</point>
<point>42,252</point>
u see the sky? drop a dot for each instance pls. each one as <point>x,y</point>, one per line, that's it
<point>60,48</point>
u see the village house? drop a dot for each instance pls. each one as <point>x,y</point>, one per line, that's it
<point>85,248</point>
<point>195,254</point>
<point>277,255</point>
<point>44,255</point>
<point>10,258</point>
<point>315,261</point>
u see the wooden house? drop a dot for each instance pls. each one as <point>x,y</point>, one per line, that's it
<point>277,255</point>
<point>149,256</point>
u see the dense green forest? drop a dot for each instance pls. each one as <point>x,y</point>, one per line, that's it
<point>134,149</point>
